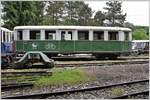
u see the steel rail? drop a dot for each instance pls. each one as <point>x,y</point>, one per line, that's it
<point>99,63</point>
<point>93,58</point>
<point>23,72</point>
<point>10,74</point>
<point>13,86</point>
<point>133,94</point>
<point>93,63</point>
<point>44,95</point>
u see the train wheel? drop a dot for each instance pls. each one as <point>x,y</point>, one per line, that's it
<point>97,56</point>
<point>113,57</point>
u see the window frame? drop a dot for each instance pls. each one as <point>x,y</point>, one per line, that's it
<point>99,33</point>
<point>116,35</point>
<point>48,33</point>
<point>86,35</point>
<point>36,32</point>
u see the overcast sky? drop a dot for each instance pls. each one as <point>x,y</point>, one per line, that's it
<point>137,11</point>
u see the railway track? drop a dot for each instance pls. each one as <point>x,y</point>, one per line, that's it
<point>132,95</point>
<point>93,58</point>
<point>45,95</point>
<point>99,63</point>
<point>26,73</point>
<point>61,64</point>
<point>93,63</point>
<point>15,85</point>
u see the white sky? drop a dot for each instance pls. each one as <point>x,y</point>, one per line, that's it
<point>137,11</point>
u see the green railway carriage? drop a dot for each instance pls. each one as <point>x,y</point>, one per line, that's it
<point>99,41</point>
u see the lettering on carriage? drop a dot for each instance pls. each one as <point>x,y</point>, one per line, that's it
<point>34,46</point>
<point>50,46</point>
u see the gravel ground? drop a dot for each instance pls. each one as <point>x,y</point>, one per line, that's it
<point>104,93</point>
<point>105,75</point>
<point>119,73</point>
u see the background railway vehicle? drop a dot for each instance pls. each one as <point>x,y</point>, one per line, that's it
<point>102,42</point>
<point>6,46</point>
<point>140,46</point>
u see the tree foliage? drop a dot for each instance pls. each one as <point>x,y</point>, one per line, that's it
<point>146,28</point>
<point>114,13</point>
<point>54,12</point>
<point>129,25</point>
<point>71,15</point>
<point>140,34</point>
<point>68,13</point>
<point>84,13</point>
<point>99,18</point>
<point>60,13</point>
<point>22,13</point>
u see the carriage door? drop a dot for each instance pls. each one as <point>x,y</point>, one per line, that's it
<point>66,44</point>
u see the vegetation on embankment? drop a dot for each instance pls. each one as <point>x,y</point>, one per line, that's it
<point>64,76</point>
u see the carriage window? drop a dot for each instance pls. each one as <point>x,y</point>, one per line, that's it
<point>98,35</point>
<point>12,37</point>
<point>69,35</point>
<point>126,34</point>
<point>4,36</point>
<point>83,35</point>
<point>146,46</point>
<point>1,36</point>
<point>8,36</point>
<point>63,35</point>
<point>34,34</point>
<point>113,35</point>
<point>19,35</point>
<point>50,35</point>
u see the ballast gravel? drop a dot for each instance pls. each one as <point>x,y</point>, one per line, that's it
<point>105,75</point>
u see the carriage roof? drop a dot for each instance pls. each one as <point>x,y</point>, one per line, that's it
<point>73,28</point>
<point>140,41</point>
<point>5,29</point>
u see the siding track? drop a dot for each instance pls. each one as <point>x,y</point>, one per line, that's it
<point>100,63</point>
<point>45,95</point>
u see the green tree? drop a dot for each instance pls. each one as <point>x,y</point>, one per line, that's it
<point>140,34</point>
<point>114,13</point>
<point>77,13</point>
<point>55,12</point>
<point>71,16</point>
<point>99,18</point>
<point>17,13</point>
<point>129,25</point>
<point>146,28</point>
<point>84,14</point>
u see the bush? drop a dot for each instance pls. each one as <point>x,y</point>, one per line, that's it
<point>140,34</point>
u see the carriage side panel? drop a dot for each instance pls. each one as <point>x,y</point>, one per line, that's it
<point>83,46</point>
<point>106,46</point>
<point>66,46</point>
<point>74,46</point>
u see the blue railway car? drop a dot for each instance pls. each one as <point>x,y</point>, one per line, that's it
<point>6,46</point>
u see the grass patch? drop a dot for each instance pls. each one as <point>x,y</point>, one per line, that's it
<point>118,91</point>
<point>64,76</point>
